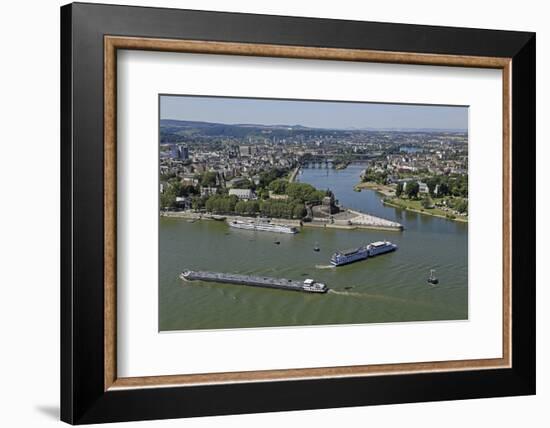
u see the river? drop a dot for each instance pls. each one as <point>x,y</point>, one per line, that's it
<point>388,288</point>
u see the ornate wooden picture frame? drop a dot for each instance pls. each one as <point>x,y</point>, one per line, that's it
<point>91,390</point>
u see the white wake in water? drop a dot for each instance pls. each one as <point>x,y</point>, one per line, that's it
<point>348,293</point>
<point>324,267</point>
<point>372,296</point>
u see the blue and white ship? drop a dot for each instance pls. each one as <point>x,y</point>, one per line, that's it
<point>380,247</point>
<point>345,257</point>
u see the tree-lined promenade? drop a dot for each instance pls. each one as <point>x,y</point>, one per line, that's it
<point>273,196</point>
<point>224,204</point>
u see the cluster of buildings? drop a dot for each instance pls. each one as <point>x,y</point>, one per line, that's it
<point>436,161</point>
<point>232,165</point>
<point>235,163</point>
<point>434,157</point>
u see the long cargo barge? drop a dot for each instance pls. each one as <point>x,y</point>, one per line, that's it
<point>308,285</point>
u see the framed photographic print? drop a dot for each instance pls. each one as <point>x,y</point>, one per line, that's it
<point>265,213</point>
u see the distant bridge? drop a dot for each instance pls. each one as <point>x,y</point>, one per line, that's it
<point>319,161</point>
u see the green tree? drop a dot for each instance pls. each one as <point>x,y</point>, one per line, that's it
<point>412,189</point>
<point>299,211</point>
<point>458,204</point>
<point>176,187</point>
<point>380,177</point>
<point>399,189</point>
<point>198,202</point>
<point>443,189</point>
<point>168,198</point>
<point>432,182</point>
<point>166,177</point>
<point>263,194</point>
<point>281,209</point>
<point>266,177</point>
<point>209,179</point>
<point>278,186</point>
<point>187,190</point>
<point>459,186</point>
<point>244,184</point>
<point>252,207</point>
<point>304,192</point>
<point>462,206</point>
<point>240,207</point>
<point>427,202</point>
<point>221,204</point>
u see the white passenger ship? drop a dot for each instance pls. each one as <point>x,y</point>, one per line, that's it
<point>263,226</point>
<point>380,247</point>
<point>345,257</point>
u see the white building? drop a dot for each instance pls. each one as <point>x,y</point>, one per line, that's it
<point>208,191</point>
<point>423,187</point>
<point>244,194</point>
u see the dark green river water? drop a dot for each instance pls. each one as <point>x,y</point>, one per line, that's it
<point>388,288</point>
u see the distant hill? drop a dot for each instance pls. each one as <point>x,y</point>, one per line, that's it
<point>172,130</point>
<point>421,130</point>
<point>194,124</point>
<point>177,130</point>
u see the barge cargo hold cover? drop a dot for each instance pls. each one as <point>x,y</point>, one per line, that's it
<point>308,285</point>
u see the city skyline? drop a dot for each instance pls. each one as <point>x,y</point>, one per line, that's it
<point>313,113</point>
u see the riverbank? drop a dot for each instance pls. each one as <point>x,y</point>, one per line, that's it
<point>327,225</point>
<point>347,219</point>
<point>434,212</point>
<point>380,188</point>
<point>193,215</point>
<point>389,192</point>
<point>294,174</point>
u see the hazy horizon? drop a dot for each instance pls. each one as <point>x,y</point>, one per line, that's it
<point>313,113</point>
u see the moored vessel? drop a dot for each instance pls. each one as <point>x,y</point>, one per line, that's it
<point>263,226</point>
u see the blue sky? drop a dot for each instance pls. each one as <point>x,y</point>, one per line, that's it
<point>317,114</point>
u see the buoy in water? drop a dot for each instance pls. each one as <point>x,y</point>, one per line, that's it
<point>432,279</point>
